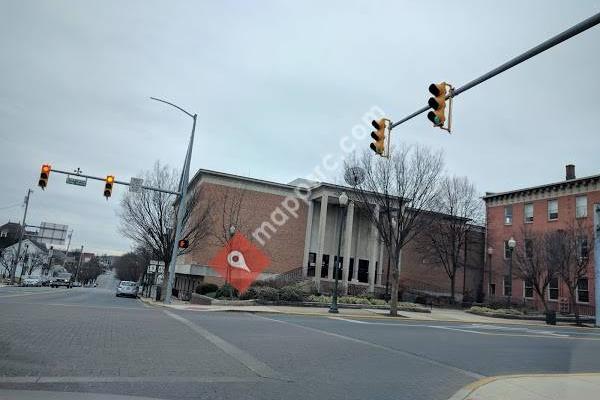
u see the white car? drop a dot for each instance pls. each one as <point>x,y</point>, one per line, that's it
<point>32,280</point>
<point>127,288</point>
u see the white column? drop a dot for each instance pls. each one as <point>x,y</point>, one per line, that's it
<point>347,246</point>
<point>380,259</point>
<point>307,238</point>
<point>373,250</point>
<point>333,254</point>
<point>356,259</point>
<point>321,240</point>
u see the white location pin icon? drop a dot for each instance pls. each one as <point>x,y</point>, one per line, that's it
<point>236,260</point>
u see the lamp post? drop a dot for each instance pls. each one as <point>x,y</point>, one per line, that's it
<point>343,199</point>
<point>490,251</point>
<point>511,247</point>
<point>183,185</point>
<point>228,275</point>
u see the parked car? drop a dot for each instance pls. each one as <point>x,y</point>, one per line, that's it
<point>32,280</point>
<point>127,288</point>
<point>63,279</point>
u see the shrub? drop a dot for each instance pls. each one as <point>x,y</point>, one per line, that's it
<point>267,293</point>
<point>291,293</point>
<point>205,288</point>
<point>226,291</point>
<point>249,294</point>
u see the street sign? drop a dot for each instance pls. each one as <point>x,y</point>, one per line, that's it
<point>135,185</point>
<point>76,181</point>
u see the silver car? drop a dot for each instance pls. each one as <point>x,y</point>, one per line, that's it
<point>127,288</point>
<point>32,280</point>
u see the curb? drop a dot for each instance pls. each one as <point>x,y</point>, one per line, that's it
<point>468,389</point>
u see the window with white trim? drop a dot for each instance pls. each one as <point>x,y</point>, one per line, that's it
<point>508,215</point>
<point>553,289</point>
<point>528,243</point>
<point>528,289</point>
<point>580,206</point>
<point>583,294</point>
<point>3,234</point>
<point>528,212</point>
<point>507,250</point>
<point>507,286</point>
<point>552,210</point>
<point>582,247</point>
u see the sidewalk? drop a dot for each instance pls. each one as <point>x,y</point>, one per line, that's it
<point>446,315</point>
<point>533,387</point>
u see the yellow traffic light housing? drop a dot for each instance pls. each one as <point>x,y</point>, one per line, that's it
<point>108,186</point>
<point>44,175</point>
<point>438,105</point>
<point>378,146</point>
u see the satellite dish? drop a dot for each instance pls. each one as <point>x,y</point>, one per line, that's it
<point>354,176</point>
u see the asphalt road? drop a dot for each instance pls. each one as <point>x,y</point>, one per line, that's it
<point>88,340</point>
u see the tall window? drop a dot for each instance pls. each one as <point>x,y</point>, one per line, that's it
<point>582,247</point>
<point>508,215</point>
<point>528,248</point>
<point>506,250</point>
<point>528,289</point>
<point>581,206</point>
<point>583,294</point>
<point>528,212</point>
<point>507,286</point>
<point>552,209</point>
<point>553,289</point>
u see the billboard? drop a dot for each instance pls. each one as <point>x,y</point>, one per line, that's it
<point>50,233</point>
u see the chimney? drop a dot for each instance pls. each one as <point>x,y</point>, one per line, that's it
<point>570,169</point>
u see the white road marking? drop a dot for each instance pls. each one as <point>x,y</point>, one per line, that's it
<point>258,367</point>
<point>126,379</point>
<point>33,293</point>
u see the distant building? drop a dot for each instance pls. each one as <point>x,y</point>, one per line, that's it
<point>9,234</point>
<point>33,258</point>
<point>544,208</point>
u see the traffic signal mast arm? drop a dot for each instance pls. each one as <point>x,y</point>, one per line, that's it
<point>553,41</point>
<point>58,171</point>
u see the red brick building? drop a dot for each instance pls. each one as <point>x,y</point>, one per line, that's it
<point>540,209</point>
<point>297,226</point>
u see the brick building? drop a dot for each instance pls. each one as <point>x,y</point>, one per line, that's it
<point>297,226</point>
<point>540,209</point>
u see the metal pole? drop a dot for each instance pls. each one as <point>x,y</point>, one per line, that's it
<point>597,262</point>
<point>180,213</point>
<point>22,233</point>
<point>490,277</point>
<point>510,278</point>
<point>553,41</point>
<point>67,251</point>
<point>78,264</point>
<point>336,266</point>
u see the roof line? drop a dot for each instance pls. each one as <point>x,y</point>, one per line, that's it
<point>560,183</point>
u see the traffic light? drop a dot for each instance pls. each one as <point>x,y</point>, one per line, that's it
<point>44,175</point>
<point>108,186</point>
<point>438,104</point>
<point>378,146</point>
<point>183,244</point>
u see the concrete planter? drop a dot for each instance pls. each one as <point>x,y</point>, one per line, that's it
<point>208,301</point>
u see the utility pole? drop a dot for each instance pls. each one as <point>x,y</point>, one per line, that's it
<point>78,264</point>
<point>181,210</point>
<point>13,270</point>
<point>67,251</point>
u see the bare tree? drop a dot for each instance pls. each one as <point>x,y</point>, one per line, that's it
<point>89,271</point>
<point>395,194</point>
<point>6,261</point>
<point>445,242</point>
<point>532,263</point>
<point>569,251</point>
<point>132,265</point>
<point>229,205</point>
<point>34,261</point>
<point>149,218</point>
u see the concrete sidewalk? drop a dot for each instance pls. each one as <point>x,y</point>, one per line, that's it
<point>533,387</point>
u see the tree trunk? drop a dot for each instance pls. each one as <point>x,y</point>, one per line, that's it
<point>452,288</point>
<point>163,288</point>
<point>395,282</point>
<point>575,308</point>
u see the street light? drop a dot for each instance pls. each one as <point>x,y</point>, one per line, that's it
<point>490,251</point>
<point>183,185</point>
<point>343,199</point>
<point>228,279</point>
<point>512,243</point>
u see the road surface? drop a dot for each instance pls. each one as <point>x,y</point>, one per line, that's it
<point>88,340</point>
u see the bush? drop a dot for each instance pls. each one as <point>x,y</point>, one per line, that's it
<point>491,311</point>
<point>291,293</point>
<point>226,291</point>
<point>267,294</point>
<point>205,288</point>
<point>249,294</point>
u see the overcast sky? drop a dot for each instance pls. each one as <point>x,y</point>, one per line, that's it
<point>276,84</point>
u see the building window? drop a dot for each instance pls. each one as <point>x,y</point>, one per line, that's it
<point>338,267</point>
<point>583,294</point>
<point>507,250</point>
<point>325,266</point>
<point>581,206</point>
<point>528,289</point>
<point>3,234</point>
<point>507,286</point>
<point>552,210</point>
<point>528,212</point>
<point>582,247</point>
<point>508,215</point>
<point>528,248</point>
<point>312,257</point>
<point>553,289</point>
<point>492,289</point>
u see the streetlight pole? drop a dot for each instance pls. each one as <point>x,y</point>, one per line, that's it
<point>490,251</point>
<point>343,199</point>
<point>228,274</point>
<point>511,245</point>
<point>183,185</point>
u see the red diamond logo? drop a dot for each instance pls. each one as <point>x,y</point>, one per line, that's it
<point>239,262</point>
